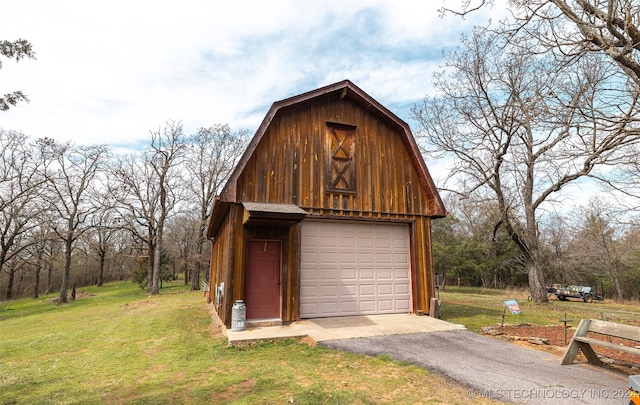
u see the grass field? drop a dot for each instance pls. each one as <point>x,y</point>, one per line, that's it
<point>117,345</point>
<point>478,307</point>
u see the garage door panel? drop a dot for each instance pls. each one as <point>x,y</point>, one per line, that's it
<point>367,274</point>
<point>400,289</point>
<point>385,274</point>
<point>399,258</point>
<point>330,257</point>
<point>383,243</point>
<point>355,268</point>
<point>347,257</point>
<point>329,291</point>
<point>311,256</point>
<point>400,274</point>
<point>366,257</point>
<point>348,290</point>
<point>383,258</point>
<point>328,274</point>
<point>349,306</point>
<point>368,306</point>
<point>386,305</point>
<point>349,274</point>
<point>309,291</point>
<point>403,304</point>
<point>366,290</point>
<point>399,243</point>
<point>347,241</point>
<point>365,242</point>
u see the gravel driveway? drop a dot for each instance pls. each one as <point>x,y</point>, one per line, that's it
<point>492,368</point>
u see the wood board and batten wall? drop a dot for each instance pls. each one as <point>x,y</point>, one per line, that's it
<point>332,154</point>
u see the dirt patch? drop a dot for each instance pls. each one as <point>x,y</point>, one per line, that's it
<point>552,339</point>
<point>234,392</point>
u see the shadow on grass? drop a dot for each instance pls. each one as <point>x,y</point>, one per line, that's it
<point>453,311</point>
<point>26,307</point>
<point>473,290</point>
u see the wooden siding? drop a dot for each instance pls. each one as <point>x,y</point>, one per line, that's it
<point>291,279</point>
<point>290,165</point>
<point>424,283</point>
<point>227,262</point>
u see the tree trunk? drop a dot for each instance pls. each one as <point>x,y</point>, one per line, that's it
<point>195,276</point>
<point>195,284</point>
<point>62,299</point>
<point>150,262</point>
<point>37,281</point>
<point>9,293</point>
<point>615,280</point>
<point>536,282</point>
<point>155,273</point>
<point>20,282</point>
<point>39,265</point>
<point>101,270</point>
<point>537,286</point>
<point>49,274</point>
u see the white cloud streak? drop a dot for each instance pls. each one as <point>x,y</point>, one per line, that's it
<point>109,72</point>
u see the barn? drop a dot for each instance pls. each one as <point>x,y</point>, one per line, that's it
<point>327,214</point>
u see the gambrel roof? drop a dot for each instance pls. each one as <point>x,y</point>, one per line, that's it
<point>340,90</point>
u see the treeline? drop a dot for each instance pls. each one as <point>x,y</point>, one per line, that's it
<point>589,245</point>
<point>74,215</point>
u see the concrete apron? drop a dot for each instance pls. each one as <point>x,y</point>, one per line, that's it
<point>346,327</point>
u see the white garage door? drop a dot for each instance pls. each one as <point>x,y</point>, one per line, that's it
<point>351,268</point>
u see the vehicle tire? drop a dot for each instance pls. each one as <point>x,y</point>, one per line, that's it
<point>587,298</point>
<point>562,298</point>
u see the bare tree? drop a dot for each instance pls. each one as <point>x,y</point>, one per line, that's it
<point>166,154</point>
<point>521,125</point>
<point>133,185</point>
<point>39,254</point>
<point>105,228</point>
<point>597,242</point>
<point>574,28</point>
<point>603,247</point>
<point>211,156</point>
<point>71,183</point>
<point>14,50</point>
<point>182,236</point>
<point>20,204</point>
<point>146,191</point>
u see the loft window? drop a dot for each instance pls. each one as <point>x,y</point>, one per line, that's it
<point>341,142</point>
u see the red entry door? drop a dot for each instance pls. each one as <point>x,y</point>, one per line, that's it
<point>262,279</point>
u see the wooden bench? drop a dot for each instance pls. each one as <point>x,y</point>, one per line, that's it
<point>580,341</point>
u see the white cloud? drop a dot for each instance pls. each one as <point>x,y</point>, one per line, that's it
<point>111,72</point>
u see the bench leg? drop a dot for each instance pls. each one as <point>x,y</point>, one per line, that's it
<point>591,356</point>
<point>573,348</point>
<point>571,353</point>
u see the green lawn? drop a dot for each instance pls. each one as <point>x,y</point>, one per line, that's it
<point>120,346</point>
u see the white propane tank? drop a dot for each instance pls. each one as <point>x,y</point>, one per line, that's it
<point>239,315</point>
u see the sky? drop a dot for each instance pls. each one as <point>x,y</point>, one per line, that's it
<point>111,72</point>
